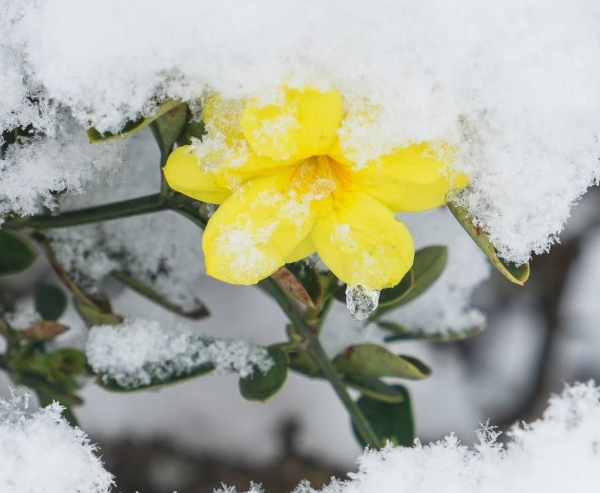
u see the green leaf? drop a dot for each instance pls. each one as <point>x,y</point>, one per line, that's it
<point>398,332</point>
<point>517,274</point>
<point>374,388</point>
<point>428,266</point>
<point>93,316</point>
<point>377,361</point>
<point>16,254</point>
<point>133,126</point>
<point>50,300</point>
<point>199,312</point>
<point>392,296</point>
<point>167,128</point>
<point>262,386</point>
<point>390,421</point>
<point>111,385</point>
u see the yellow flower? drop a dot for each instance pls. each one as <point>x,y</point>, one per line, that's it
<point>286,190</point>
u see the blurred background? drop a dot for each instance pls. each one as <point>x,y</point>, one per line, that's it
<point>194,436</point>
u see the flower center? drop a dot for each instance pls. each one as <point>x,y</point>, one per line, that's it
<point>321,176</point>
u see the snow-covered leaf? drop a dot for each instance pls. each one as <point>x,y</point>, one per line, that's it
<point>262,386</point>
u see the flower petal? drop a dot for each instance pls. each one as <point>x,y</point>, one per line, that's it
<point>410,180</point>
<point>185,175</point>
<point>254,232</point>
<point>303,125</point>
<point>303,249</point>
<point>362,242</point>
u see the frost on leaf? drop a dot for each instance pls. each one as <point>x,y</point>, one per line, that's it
<point>361,301</point>
<point>41,453</point>
<point>140,352</point>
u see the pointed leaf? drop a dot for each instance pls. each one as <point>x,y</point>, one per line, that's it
<point>517,274</point>
<point>393,422</point>
<point>93,316</point>
<point>42,331</point>
<point>131,127</point>
<point>199,312</point>
<point>16,254</point>
<point>377,361</point>
<point>262,386</point>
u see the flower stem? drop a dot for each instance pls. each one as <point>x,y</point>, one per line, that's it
<point>105,212</point>
<point>291,310</point>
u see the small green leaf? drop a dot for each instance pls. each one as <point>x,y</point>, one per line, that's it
<point>262,386</point>
<point>398,332</point>
<point>93,316</point>
<point>50,300</point>
<point>200,310</point>
<point>133,126</point>
<point>167,128</point>
<point>377,361</point>
<point>517,274</point>
<point>16,254</point>
<point>374,388</point>
<point>390,421</point>
<point>428,266</point>
<point>391,296</point>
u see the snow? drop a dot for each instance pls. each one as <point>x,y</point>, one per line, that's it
<point>35,171</point>
<point>41,453</point>
<point>142,352</point>
<point>556,453</point>
<point>511,87</point>
<point>172,263</point>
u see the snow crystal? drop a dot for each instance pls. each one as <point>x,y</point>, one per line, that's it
<point>41,453</point>
<point>33,171</point>
<point>140,352</point>
<point>557,453</point>
<point>172,263</point>
<point>361,301</point>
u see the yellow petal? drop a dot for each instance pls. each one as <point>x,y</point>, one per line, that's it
<point>362,242</point>
<point>254,232</point>
<point>223,117</point>
<point>303,249</point>
<point>304,124</point>
<point>410,180</point>
<point>185,175</point>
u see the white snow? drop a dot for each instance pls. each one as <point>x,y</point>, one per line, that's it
<point>556,453</point>
<point>512,87</point>
<point>41,453</point>
<point>361,301</point>
<point>140,352</point>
